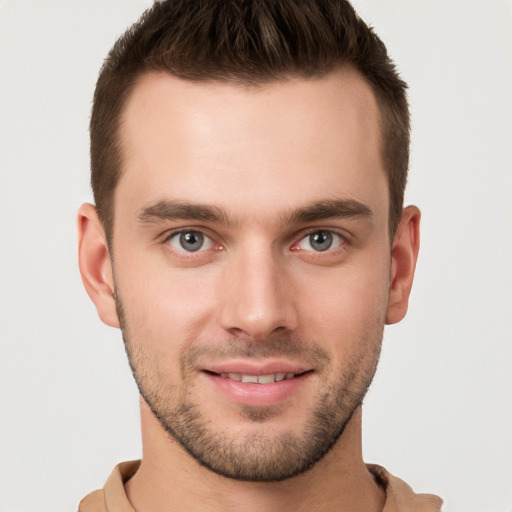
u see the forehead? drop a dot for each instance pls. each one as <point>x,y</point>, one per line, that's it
<point>283,143</point>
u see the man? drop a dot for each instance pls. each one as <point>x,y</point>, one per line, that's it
<point>248,163</point>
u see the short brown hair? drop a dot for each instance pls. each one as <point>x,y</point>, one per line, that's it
<point>245,42</point>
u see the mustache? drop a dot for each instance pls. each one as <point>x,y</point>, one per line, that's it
<point>272,347</point>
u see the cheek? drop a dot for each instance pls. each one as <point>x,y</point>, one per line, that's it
<point>343,304</point>
<point>163,304</point>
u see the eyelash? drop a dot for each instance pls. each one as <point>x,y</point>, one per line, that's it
<point>342,241</point>
<point>188,254</point>
<point>200,252</point>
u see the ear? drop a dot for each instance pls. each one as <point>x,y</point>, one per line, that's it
<point>95,265</point>
<point>404,254</point>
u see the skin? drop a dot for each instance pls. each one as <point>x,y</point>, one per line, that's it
<point>259,156</point>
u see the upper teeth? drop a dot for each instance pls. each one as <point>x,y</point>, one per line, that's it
<point>258,379</point>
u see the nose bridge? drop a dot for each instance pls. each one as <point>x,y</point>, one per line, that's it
<point>256,293</point>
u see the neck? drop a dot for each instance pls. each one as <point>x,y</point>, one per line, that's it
<point>170,479</point>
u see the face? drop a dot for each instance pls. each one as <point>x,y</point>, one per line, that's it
<point>252,264</point>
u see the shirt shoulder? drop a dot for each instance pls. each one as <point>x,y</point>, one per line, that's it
<point>400,497</point>
<point>93,502</point>
<point>112,498</point>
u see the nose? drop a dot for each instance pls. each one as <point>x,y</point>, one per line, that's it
<point>257,295</point>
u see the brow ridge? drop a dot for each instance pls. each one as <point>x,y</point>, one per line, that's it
<point>328,209</point>
<point>173,210</point>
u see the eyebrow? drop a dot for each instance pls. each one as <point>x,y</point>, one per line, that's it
<point>183,210</point>
<point>173,210</point>
<point>329,209</point>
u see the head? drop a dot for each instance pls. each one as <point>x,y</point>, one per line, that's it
<point>248,164</point>
<point>246,43</point>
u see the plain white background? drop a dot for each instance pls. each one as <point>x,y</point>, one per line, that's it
<point>439,412</point>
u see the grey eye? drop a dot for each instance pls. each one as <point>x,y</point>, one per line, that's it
<point>321,241</point>
<point>190,241</point>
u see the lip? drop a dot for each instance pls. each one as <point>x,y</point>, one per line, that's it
<point>252,394</point>
<point>254,368</point>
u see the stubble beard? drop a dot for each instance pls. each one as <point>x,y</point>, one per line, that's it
<point>256,456</point>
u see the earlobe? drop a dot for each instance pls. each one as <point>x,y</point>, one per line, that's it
<point>404,253</point>
<point>95,265</point>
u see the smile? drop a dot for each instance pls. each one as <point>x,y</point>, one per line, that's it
<point>258,387</point>
<point>258,379</point>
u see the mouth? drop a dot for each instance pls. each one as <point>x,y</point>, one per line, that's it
<point>268,378</point>
<point>257,386</point>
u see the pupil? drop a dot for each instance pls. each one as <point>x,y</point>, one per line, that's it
<point>321,241</point>
<point>191,241</point>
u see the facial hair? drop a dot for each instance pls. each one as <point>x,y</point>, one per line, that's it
<point>256,456</point>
